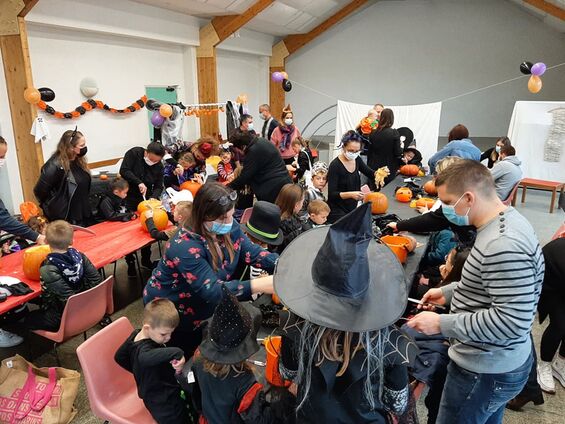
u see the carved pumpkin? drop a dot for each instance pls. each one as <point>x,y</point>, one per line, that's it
<point>33,258</point>
<point>160,219</point>
<point>191,186</point>
<point>430,188</point>
<point>400,245</point>
<point>148,204</point>
<point>409,170</point>
<point>379,202</point>
<point>426,202</point>
<point>403,194</point>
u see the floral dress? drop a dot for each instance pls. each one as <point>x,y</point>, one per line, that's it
<point>185,275</point>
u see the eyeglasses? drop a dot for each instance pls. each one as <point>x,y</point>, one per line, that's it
<point>226,199</point>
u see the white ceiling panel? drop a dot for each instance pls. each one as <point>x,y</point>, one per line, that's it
<point>321,8</point>
<point>279,14</point>
<point>300,21</point>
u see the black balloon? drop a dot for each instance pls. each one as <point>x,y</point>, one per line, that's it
<point>526,68</point>
<point>286,85</point>
<point>47,95</point>
<point>153,104</point>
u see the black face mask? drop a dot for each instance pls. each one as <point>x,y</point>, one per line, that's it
<point>82,152</point>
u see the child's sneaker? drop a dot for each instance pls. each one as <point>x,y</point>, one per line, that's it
<point>545,377</point>
<point>558,367</point>
<point>8,339</point>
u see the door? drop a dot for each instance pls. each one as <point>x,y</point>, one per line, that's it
<point>161,95</point>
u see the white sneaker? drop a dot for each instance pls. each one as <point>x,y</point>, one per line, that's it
<point>545,377</point>
<point>8,339</point>
<point>558,367</point>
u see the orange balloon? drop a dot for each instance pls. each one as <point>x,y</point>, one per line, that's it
<point>534,84</point>
<point>32,95</point>
<point>165,110</point>
<point>284,75</point>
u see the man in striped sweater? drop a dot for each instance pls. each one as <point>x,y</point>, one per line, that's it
<point>494,304</point>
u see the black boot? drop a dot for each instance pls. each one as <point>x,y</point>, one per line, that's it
<point>519,401</point>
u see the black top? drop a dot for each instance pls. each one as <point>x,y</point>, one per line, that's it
<point>553,289</point>
<point>154,375</point>
<point>9,224</point>
<point>291,228</point>
<point>113,208</point>
<point>341,180</point>
<point>385,150</point>
<point>304,162</point>
<point>487,155</point>
<point>136,171</point>
<point>263,169</point>
<point>272,125</point>
<point>79,211</point>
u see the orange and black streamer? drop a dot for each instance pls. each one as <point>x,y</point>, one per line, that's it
<point>90,105</point>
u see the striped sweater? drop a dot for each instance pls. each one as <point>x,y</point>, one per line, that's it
<point>494,304</point>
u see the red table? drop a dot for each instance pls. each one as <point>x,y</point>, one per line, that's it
<point>111,241</point>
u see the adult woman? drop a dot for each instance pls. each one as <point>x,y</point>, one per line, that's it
<point>284,135</point>
<point>493,153</point>
<point>64,183</point>
<point>9,224</point>
<point>458,144</point>
<point>344,181</point>
<point>384,147</point>
<point>197,262</point>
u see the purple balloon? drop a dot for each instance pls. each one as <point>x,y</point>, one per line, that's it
<point>277,77</point>
<point>538,69</point>
<point>157,119</point>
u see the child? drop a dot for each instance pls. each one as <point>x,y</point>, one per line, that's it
<point>112,207</point>
<point>226,390</point>
<point>181,215</point>
<point>226,167</point>
<point>319,181</point>
<point>318,212</point>
<point>65,272</point>
<point>301,167</point>
<point>290,201</point>
<point>176,174</point>
<point>153,365</point>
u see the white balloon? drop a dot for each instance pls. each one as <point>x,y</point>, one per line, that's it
<point>89,87</point>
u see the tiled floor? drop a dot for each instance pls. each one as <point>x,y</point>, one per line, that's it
<point>127,293</point>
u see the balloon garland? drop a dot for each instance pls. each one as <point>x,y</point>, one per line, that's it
<point>536,71</point>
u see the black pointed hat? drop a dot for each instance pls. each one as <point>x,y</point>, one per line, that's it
<point>341,278</point>
<point>232,332</point>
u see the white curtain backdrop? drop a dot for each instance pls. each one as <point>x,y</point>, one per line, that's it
<point>528,130</point>
<point>423,120</point>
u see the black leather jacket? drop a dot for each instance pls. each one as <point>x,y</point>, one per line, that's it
<point>55,189</point>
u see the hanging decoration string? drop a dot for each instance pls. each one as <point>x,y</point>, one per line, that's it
<point>90,105</point>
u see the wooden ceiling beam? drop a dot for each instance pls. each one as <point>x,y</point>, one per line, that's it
<point>548,8</point>
<point>227,25</point>
<point>28,5</point>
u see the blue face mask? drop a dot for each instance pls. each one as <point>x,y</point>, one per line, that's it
<point>452,216</point>
<point>220,228</point>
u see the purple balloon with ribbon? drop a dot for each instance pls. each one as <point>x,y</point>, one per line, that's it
<point>538,69</point>
<point>157,119</point>
<point>277,77</point>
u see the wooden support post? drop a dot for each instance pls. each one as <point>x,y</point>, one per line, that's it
<point>277,96</point>
<point>17,68</point>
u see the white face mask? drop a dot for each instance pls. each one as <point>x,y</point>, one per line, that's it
<point>497,148</point>
<point>149,161</point>
<point>250,126</point>
<point>2,162</point>
<point>351,155</point>
<point>288,122</point>
<point>263,117</point>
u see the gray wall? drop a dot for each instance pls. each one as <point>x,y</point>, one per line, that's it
<point>420,51</point>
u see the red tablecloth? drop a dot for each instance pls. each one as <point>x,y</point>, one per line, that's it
<point>111,241</point>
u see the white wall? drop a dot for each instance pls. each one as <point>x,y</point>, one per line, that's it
<point>420,51</point>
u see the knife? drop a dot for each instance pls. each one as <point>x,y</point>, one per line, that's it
<point>79,228</point>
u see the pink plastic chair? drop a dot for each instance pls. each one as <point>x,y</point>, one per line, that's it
<point>112,391</point>
<point>511,199</point>
<point>82,312</point>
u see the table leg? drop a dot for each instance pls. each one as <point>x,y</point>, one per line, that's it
<point>523,193</point>
<point>553,194</point>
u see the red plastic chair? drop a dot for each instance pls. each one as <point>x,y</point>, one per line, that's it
<point>559,233</point>
<point>511,197</point>
<point>112,391</point>
<point>83,311</point>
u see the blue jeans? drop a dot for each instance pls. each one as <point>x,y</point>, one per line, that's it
<point>472,398</point>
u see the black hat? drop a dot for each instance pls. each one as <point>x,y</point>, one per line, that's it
<point>407,134</point>
<point>232,333</point>
<point>264,223</point>
<point>354,284</point>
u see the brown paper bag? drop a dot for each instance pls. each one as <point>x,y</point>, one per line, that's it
<point>26,395</point>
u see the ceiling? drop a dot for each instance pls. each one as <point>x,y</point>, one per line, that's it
<point>281,18</point>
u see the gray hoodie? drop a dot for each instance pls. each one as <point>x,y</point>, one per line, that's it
<point>506,173</point>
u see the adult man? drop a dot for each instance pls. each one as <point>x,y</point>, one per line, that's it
<point>143,170</point>
<point>492,307</point>
<point>506,172</point>
<point>246,123</point>
<point>270,123</point>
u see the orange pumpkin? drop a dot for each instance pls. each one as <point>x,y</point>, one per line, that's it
<point>160,219</point>
<point>33,258</point>
<point>425,202</point>
<point>403,194</point>
<point>430,188</point>
<point>29,209</point>
<point>379,202</point>
<point>191,186</point>
<point>409,170</point>
<point>103,177</point>
<point>400,246</point>
<point>148,204</point>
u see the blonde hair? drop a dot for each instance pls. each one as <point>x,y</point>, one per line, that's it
<point>187,158</point>
<point>318,206</point>
<point>59,235</point>
<point>222,370</point>
<point>185,208</point>
<point>161,313</point>
<point>446,162</point>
